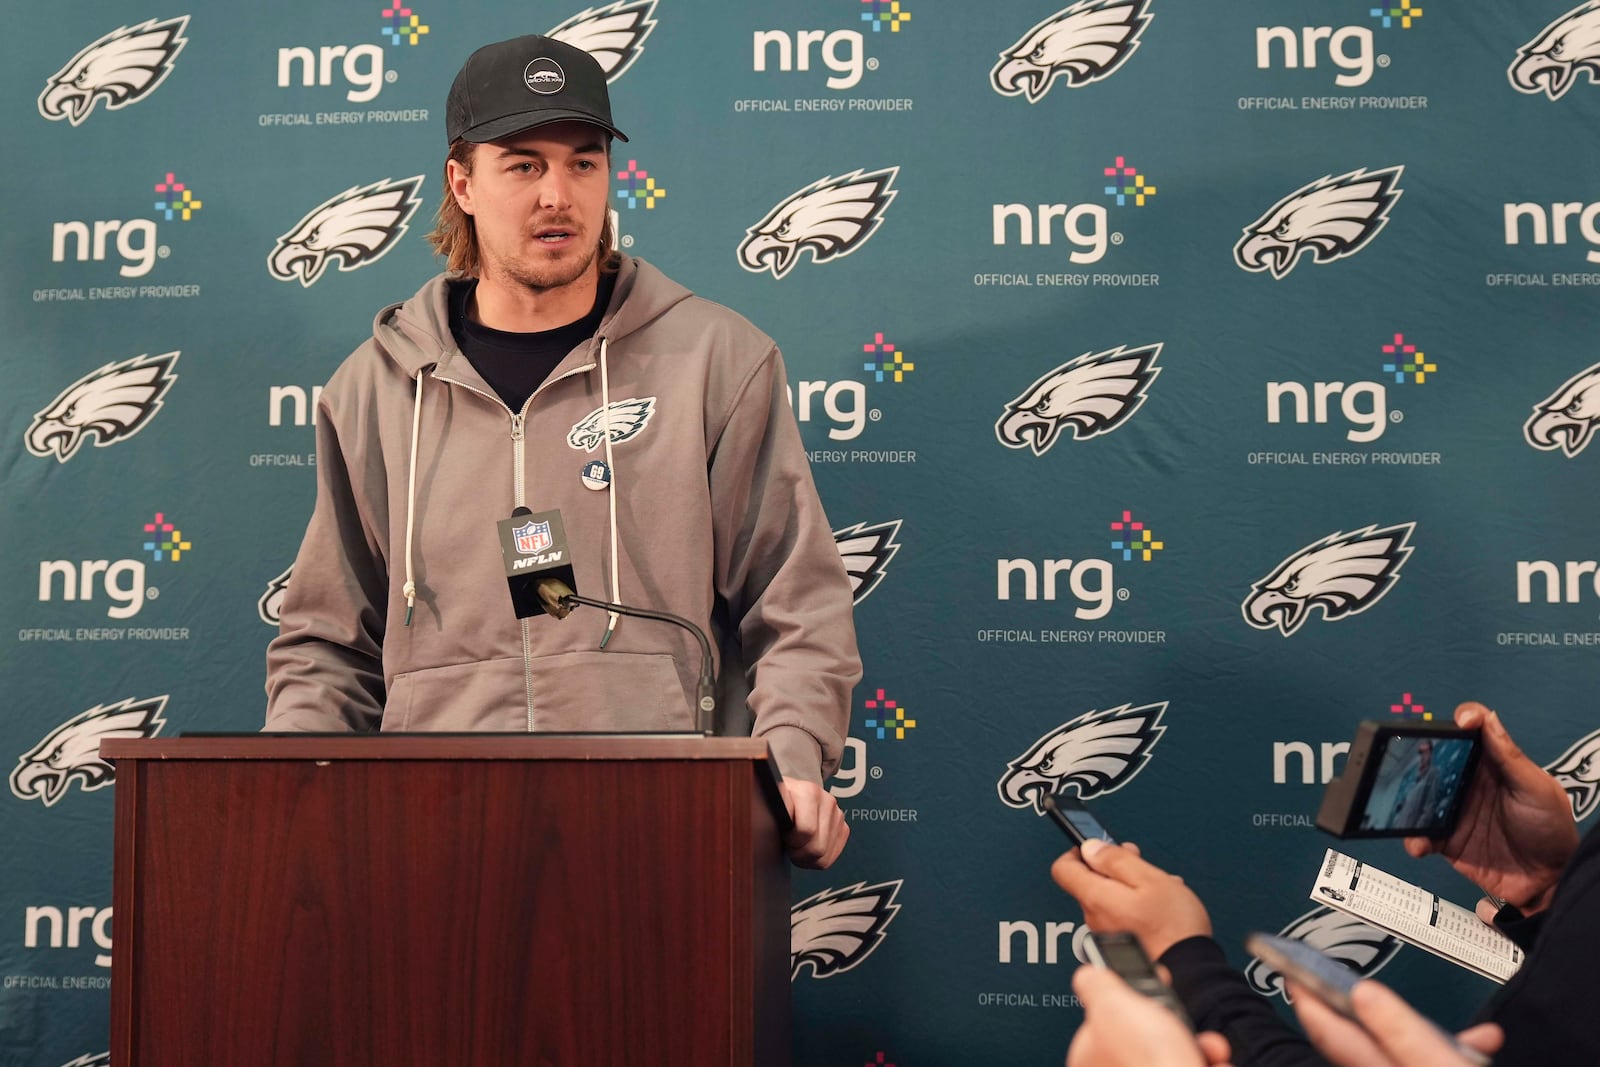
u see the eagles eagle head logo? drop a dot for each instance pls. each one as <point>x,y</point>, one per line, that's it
<point>866,551</point>
<point>830,218</point>
<point>1089,396</point>
<point>270,606</point>
<point>71,752</point>
<point>1084,43</point>
<point>1552,61</point>
<point>1331,218</point>
<point>1362,948</point>
<point>1343,574</point>
<point>121,68</point>
<point>109,405</point>
<point>1578,771</point>
<point>353,229</point>
<point>614,33</point>
<point>1567,418</point>
<point>1097,753</point>
<point>838,928</point>
<point>628,417</point>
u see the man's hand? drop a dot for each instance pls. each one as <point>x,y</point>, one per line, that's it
<point>1119,890</point>
<point>1390,1034</point>
<point>819,830</point>
<point>1122,1028</point>
<point>1516,829</point>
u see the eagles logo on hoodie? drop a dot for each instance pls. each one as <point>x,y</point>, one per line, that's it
<point>71,752</point>
<point>1097,753</point>
<point>1552,61</point>
<point>1331,218</point>
<point>1343,574</point>
<point>1084,43</point>
<point>353,229</point>
<point>614,34</point>
<point>121,68</point>
<point>108,405</point>
<point>836,929</point>
<point>830,218</point>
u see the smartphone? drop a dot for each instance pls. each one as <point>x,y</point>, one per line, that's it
<point>1122,954</point>
<point>1326,979</point>
<point>1074,819</point>
<point>1401,780</point>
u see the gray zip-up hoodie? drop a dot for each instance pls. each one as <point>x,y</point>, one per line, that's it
<point>711,514</point>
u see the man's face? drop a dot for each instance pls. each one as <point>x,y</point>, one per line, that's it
<point>1424,753</point>
<point>539,201</point>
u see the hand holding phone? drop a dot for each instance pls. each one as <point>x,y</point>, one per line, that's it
<point>1122,954</point>
<point>1074,819</point>
<point>1330,981</point>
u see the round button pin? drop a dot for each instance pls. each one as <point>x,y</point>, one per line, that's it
<point>596,474</point>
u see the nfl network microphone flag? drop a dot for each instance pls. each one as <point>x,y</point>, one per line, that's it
<point>534,546</point>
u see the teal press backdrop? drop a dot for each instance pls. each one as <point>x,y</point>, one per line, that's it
<point>1187,381</point>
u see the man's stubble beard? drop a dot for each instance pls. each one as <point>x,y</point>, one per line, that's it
<point>538,277</point>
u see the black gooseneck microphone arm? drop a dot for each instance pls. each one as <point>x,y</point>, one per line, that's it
<point>705,696</point>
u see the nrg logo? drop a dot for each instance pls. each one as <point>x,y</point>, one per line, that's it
<point>1349,49</point>
<point>359,68</point>
<point>1362,406</point>
<point>841,52</point>
<point>842,405</point>
<point>120,581</point>
<point>134,241</point>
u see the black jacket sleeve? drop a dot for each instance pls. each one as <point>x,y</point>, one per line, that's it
<point>1548,1008</point>
<point>1218,998</point>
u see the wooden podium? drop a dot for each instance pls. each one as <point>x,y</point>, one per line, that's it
<point>448,901</point>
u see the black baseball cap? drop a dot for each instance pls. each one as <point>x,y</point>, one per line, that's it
<point>511,86</point>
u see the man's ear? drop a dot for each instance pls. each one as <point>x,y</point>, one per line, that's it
<point>458,178</point>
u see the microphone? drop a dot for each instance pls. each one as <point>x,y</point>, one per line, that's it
<point>539,574</point>
<point>534,548</point>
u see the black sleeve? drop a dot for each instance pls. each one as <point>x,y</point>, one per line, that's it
<point>1548,1008</point>
<point>1218,998</point>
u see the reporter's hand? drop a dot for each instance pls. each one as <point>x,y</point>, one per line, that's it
<point>1119,890</point>
<point>1390,1033</point>
<point>1516,831</point>
<point>1122,1028</point>
<point>819,830</point>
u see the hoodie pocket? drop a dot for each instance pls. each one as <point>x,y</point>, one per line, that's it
<point>571,692</point>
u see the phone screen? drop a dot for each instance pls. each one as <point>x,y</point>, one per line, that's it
<point>1086,824</point>
<point>1329,979</point>
<point>1417,784</point>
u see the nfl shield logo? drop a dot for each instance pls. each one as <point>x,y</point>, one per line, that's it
<point>532,537</point>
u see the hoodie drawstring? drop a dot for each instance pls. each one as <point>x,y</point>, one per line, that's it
<point>605,420</point>
<point>410,588</point>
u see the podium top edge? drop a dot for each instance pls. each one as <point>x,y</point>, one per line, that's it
<point>422,746</point>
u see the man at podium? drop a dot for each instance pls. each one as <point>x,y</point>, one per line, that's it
<point>547,382</point>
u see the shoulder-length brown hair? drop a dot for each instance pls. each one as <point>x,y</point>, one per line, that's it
<point>455,235</point>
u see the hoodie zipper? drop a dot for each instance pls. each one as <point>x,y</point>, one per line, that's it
<point>519,422</point>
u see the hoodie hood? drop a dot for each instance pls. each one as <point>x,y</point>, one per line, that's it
<point>415,334</point>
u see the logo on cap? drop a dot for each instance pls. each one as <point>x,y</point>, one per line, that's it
<point>544,76</point>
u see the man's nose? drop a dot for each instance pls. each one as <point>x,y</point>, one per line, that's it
<point>555,190</point>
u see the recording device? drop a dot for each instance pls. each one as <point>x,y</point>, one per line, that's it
<point>1074,819</point>
<point>540,576</point>
<point>1401,781</point>
<point>1325,978</point>
<point>1122,954</point>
